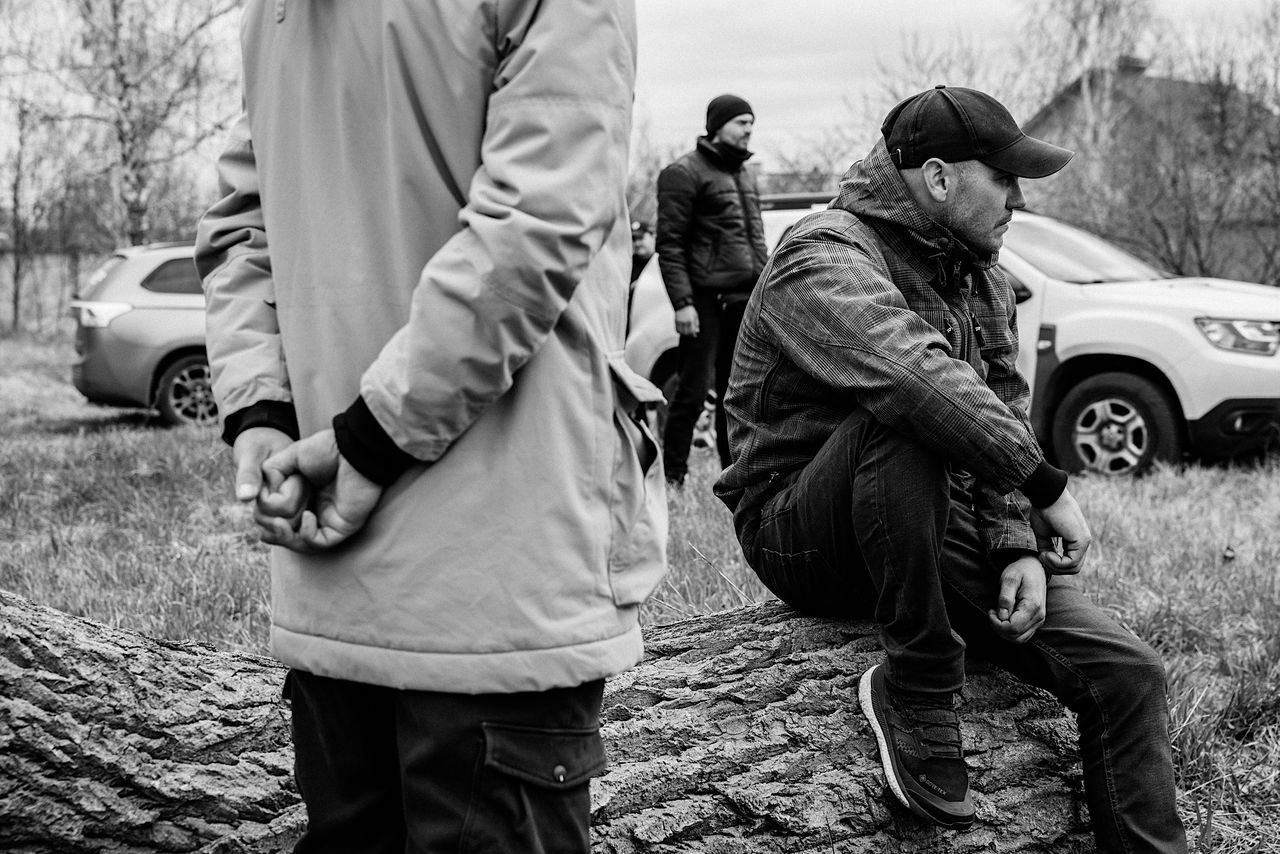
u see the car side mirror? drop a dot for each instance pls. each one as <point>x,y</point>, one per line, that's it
<point>1021,293</point>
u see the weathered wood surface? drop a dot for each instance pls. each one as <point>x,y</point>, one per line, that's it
<point>739,733</point>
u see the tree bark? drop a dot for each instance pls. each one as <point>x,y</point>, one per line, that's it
<point>740,732</point>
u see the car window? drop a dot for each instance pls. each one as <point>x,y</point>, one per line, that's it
<point>178,276</point>
<point>94,283</point>
<point>1072,255</point>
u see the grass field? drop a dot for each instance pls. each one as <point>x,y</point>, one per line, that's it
<point>104,514</point>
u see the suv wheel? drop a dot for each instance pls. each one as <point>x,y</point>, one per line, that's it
<point>184,394</point>
<point>1116,424</point>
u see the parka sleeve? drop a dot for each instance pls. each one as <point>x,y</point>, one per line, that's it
<point>246,355</point>
<point>549,191</point>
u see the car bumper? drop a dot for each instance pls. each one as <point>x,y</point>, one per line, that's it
<point>1237,426</point>
<point>110,371</point>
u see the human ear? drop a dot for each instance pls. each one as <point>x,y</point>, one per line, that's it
<point>937,179</point>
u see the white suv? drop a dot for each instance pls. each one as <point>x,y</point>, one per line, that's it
<point>1127,365</point>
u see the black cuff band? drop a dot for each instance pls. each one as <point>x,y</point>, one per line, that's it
<point>265,413</point>
<point>1045,485</point>
<point>363,443</point>
<point>1003,558</point>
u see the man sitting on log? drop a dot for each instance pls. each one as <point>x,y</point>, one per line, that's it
<point>884,464</point>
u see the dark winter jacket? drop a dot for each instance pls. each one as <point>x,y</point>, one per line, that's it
<point>710,237</point>
<point>872,305</point>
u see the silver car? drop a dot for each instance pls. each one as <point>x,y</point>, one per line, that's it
<point>140,335</point>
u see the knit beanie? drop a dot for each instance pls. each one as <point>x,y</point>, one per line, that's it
<point>723,108</point>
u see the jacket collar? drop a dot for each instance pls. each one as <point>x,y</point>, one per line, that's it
<point>723,157</point>
<point>873,190</point>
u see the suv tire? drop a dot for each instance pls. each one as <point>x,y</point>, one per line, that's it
<point>1116,424</point>
<point>184,394</point>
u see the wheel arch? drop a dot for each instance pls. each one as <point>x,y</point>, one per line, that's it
<point>1080,368</point>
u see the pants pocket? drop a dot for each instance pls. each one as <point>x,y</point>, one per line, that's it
<point>532,791</point>
<point>803,580</point>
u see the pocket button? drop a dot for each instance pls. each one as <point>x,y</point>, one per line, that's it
<point>559,772</point>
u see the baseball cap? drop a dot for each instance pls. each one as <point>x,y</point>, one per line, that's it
<point>953,124</point>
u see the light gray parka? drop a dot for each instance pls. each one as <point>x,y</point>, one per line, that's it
<point>424,206</point>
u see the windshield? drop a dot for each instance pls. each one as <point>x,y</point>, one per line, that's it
<point>1071,255</point>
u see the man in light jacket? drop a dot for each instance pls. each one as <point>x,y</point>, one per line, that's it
<point>419,266</point>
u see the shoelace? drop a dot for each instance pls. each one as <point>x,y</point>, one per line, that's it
<point>938,727</point>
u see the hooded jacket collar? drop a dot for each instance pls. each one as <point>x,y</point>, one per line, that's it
<point>724,157</point>
<point>873,191</point>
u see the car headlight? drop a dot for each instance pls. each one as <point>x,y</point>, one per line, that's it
<point>1242,336</point>
<point>98,314</point>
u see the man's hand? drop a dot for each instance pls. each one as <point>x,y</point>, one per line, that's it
<point>251,449</point>
<point>1020,609</point>
<point>343,498</point>
<point>1061,519</point>
<point>687,321</point>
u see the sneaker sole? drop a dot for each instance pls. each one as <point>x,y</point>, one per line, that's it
<point>896,785</point>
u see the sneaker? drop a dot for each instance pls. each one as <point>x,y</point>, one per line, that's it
<point>920,748</point>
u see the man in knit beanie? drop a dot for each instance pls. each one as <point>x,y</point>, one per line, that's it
<point>711,250</point>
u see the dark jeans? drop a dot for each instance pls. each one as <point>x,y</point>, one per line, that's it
<point>384,770</point>
<point>704,357</point>
<point>873,527</point>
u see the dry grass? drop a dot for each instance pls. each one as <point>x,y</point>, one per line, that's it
<point>106,514</point>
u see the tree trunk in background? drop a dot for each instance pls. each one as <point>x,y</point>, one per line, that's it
<point>740,732</point>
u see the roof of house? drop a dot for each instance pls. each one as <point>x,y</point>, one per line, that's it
<point>1150,98</point>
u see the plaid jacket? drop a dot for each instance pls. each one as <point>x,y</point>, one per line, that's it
<point>871,304</point>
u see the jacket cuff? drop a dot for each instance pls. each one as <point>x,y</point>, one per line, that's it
<point>680,303</point>
<point>279,414</point>
<point>363,443</point>
<point>1044,485</point>
<point>1003,558</point>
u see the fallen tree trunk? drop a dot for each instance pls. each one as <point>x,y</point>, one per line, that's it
<point>740,732</point>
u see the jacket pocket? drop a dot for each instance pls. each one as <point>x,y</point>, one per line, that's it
<point>997,346</point>
<point>638,505</point>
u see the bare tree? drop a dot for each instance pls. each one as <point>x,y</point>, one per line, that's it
<point>816,164</point>
<point>974,62</point>
<point>1084,40</point>
<point>19,246</point>
<point>647,160</point>
<point>144,72</point>
<point>1183,166</point>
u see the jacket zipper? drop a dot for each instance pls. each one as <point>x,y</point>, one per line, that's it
<point>966,321</point>
<point>746,220</point>
<point>962,327</point>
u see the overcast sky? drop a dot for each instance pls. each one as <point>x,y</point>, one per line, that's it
<point>800,63</point>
